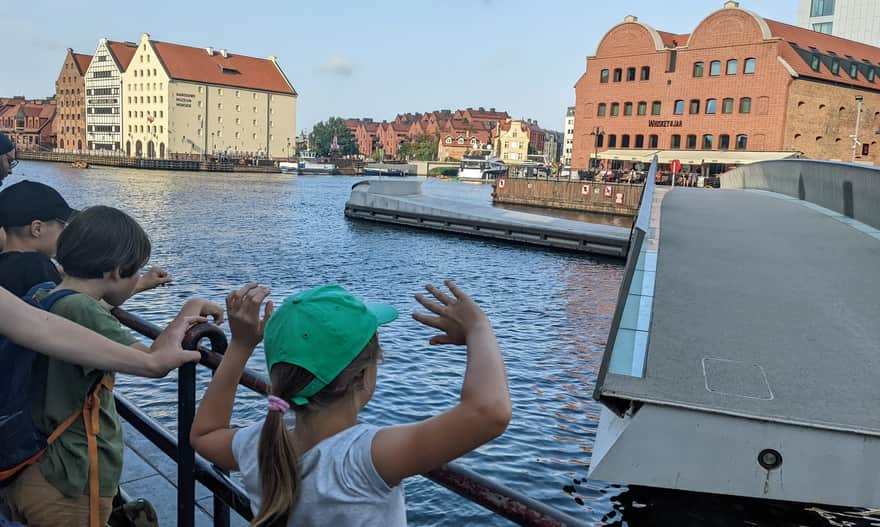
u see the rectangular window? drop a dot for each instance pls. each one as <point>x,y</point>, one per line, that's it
<point>612,141</point>
<point>656,108</point>
<point>627,108</point>
<point>695,106</point>
<point>745,105</point>
<point>618,75</point>
<point>603,76</point>
<point>600,112</point>
<point>824,27</point>
<point>835,66</point>
<point>653,141</point>
<point>724,142</point>
<point>679,107</point>
<point>742,142</point>
<point>698,69</point>
<point>643,108</point>
<point>101,74</point>
<point>708,139</point>
<point>727,106</point>
<point>815,62</point>
<point>711,106</point>
<point>673,58</point>
<point>822,8</point>
<point>646,73</point>
<point>615,109</point>
<point>691,142</point>
<point>640,141</point>
<point>624,141</point>
<point>715,68</point>
<point>732,66</point>
<point>630,74</point>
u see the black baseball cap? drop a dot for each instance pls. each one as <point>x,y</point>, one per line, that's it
<point>26,201</point>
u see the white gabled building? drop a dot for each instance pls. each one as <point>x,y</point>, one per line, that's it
<point>103,85</point>
<point>568,137</point>
<point>187,102</point>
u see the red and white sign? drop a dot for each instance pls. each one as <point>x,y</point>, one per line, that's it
<point>501,183</point>
<point>675,166</point>
<point>609,190</point>
<point>585,190</point>
<point>618,198</point>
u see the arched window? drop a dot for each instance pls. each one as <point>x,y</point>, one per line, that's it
<point>600,140</point>
<point>601,109</point>
<point>603,76</point>
<point>460,140</point>
<point>724,142</point>
<point>653,141</point>
<point>643,108</point>
<point>618,75</point>
<point>640,141</point>
<point>627,108</point>
<point>646,73</point>
<point>473,141</point>
<point>630,74</point>
<point>749,66</point>
<point>448,140</point>
<point>624,141</point>
<point>715,68</point>
<point>708,141</point>
<point>615,109</point>
<point>691,142</point>
<point>727,106</point>
<point>612,141</point>
<point>742,141</point>
<point>711,106</point>
<point>698,69</point>
<point>745,105</point>
<point>656,108</point>
<point>732,66</point>
<point>679,107</point>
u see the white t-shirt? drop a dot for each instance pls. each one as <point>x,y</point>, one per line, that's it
<point>339,485</point>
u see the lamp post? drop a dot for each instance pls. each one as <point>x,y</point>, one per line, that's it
<point>596,133</point>
<point>855,137</point>
<point>212,145</point>
<point>288,149</point>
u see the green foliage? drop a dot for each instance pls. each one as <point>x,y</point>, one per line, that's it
<point>420,147</point>
<point>322,137</point>
<point>443,171</point>
<point>377,155</point>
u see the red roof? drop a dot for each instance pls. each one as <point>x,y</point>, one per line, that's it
<point>671,40</point>
<point>123,52</point>
<point>847,50</point>
<point>82,62</point>
<point>194,64</point>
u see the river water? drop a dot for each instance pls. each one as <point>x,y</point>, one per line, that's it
<point>551,312</point>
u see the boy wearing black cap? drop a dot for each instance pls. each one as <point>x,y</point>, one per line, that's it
<point>7,156</point>
<point>33,216</point>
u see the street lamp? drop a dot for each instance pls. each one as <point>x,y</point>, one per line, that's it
<point>288,148</point>
<point>855,137</point>
<point>596,133</point>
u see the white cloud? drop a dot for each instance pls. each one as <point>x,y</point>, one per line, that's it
<point>337,65</point>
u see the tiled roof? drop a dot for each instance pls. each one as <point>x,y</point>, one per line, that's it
<point>123,52</point>
<point>847,51</point>
<point>671,40</point>
<point>194,64</point>
<point>82,62</point>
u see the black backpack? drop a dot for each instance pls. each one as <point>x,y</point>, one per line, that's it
<point>22,442</point>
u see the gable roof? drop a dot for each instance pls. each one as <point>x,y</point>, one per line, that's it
<point>122,52</point>
<point>82,62</point>
<point>799,44</point>
<point>671,40</point>
<point>194,64</point>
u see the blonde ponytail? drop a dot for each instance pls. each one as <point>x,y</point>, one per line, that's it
<point>279,473</point>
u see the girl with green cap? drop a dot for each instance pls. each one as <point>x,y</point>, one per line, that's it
<point>311,463</point>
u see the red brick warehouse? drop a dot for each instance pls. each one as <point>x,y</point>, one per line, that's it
<point>738,83</point>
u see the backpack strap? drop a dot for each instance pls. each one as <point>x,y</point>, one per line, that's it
<point>91,412</point>
<point>49,301</point>
<point>29,296</point>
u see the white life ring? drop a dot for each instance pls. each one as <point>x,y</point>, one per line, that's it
<point>501,183</point>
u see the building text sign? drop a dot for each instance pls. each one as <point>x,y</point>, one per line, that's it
<point>184,100</point>
<point>654,123</point>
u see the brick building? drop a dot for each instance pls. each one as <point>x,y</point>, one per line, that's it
<point>70,92</point>
<point>29,123</point>
<point>738,84</point>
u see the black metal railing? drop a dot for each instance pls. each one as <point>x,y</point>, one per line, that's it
<point>227,494</point>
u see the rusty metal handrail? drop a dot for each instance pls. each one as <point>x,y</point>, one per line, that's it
<point>483,491</point>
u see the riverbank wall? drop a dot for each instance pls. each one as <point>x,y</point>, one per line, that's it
<point>605,198</point>
<point>149,164</point>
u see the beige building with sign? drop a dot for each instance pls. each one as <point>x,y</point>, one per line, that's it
<point>181,102</point>
<point>513,142</point>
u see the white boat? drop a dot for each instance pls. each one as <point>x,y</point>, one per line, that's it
<point>390,169</point>
<point>481,169</point>
<point>312,166</point>
<point>288,167</point>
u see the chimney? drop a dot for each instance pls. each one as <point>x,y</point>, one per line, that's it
<point>491,109</point>
<point>731,5</point>
<point>631,18</point>
<point>210,51</point>
<point>224,53</point>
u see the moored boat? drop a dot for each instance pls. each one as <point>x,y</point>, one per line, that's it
<point>481,169</point>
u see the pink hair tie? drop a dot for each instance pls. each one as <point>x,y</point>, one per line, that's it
<point>277,404</point>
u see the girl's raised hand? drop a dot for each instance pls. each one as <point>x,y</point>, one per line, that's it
<point>457,316</point>
<point>243,310</point>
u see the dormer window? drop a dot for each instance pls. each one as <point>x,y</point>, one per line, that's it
<point>448,140</point>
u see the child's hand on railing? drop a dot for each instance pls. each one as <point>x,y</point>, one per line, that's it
<point>243,308</point>
<point>203,308</point>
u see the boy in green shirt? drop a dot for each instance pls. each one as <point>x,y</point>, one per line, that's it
<point>102,251</point>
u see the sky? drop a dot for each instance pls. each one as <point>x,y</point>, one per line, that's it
<point>360,58</point>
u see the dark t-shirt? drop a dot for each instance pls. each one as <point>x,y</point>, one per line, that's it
<point>21,271</point>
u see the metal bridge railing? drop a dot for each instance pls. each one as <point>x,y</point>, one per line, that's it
<point>192,468</point>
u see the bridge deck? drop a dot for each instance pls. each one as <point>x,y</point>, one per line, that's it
<point>764,308</point>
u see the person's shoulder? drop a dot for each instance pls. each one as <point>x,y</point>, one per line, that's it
<point>24,258</point>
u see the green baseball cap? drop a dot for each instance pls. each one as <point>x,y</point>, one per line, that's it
<point>322,330</point>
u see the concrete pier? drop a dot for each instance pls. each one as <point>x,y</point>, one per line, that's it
<point>401,202</point>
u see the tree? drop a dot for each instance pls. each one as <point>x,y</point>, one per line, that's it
<point>420,147</point>
<point>321,138</point>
